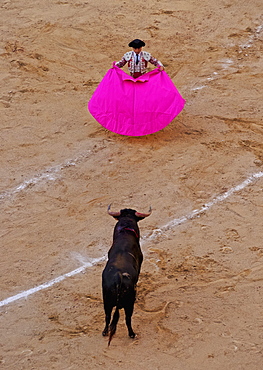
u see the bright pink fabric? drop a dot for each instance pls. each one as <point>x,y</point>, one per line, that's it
<point>135,107</point>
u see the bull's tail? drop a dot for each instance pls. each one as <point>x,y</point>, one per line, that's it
<point>115,319</point>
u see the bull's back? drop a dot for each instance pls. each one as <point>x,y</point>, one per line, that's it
<point>126,250</point>
<point>125,263</point>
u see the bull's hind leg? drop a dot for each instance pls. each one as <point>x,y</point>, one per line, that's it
<point>108,310</point>
<point>113,324</point>
<point>128,313</point>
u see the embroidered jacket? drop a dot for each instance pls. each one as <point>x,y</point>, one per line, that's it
<point>144,58</point>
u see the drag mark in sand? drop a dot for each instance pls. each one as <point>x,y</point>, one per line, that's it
<point>173,223</point>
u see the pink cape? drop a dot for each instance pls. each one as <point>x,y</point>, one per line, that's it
<point>135,107</point>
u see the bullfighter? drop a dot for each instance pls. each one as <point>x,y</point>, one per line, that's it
<point>138,60</point>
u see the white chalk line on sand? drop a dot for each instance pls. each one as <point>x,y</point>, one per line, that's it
<point>50,174</point>
<point>197,212</point>
<point>50,283</point>
<point>175,222</point>
<point>228,64</point>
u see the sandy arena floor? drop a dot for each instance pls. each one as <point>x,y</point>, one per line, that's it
<point>200,296</point>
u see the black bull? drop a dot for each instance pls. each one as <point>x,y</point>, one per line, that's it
<point>121,273</point>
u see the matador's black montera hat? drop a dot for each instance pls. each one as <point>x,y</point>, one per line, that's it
<point>136,44</point>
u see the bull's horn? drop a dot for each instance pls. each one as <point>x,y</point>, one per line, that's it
<point>144,214</point>
<point>113,214</point>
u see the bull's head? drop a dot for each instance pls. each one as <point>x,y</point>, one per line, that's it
<point>118,214</point>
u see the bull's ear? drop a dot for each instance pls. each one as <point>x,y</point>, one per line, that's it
<point>141,216</point>
<point>116,215</point>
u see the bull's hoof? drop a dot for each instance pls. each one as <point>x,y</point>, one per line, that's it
<point>132,335</point>
<point>105,332</point>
